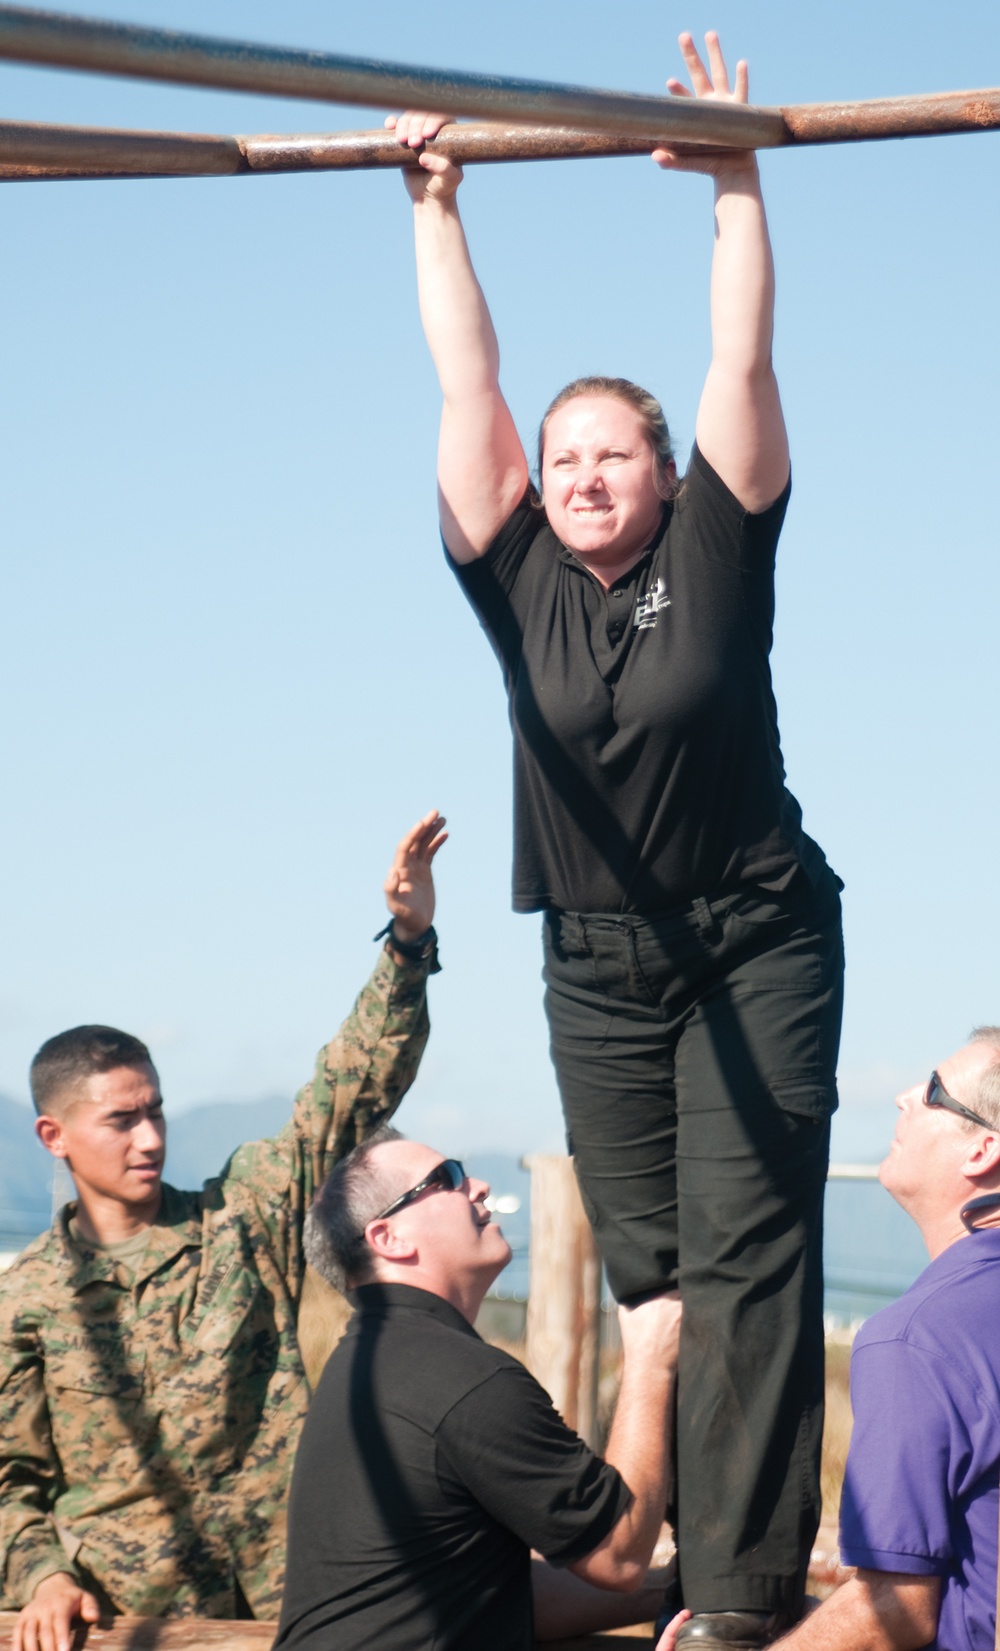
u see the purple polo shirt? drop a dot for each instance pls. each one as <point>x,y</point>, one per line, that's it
<point>921,1484</point>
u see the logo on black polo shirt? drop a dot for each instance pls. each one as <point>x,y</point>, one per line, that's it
<point>652,604</point>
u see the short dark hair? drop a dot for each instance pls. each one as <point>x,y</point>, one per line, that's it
<point>70,1058</point>
<point>351,1196</point>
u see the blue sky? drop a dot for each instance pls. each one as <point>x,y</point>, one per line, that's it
<point>233,666</point>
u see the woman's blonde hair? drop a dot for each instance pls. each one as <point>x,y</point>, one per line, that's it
<point>634,396</point>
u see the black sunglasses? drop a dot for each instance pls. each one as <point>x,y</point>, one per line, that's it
<point>449,1175</point>
<point>936,1095</point>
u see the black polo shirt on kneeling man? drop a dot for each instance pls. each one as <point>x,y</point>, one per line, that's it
<point>429,1465</point>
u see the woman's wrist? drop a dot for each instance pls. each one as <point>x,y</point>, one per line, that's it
<point>431,203</point>
<point>740,176</point>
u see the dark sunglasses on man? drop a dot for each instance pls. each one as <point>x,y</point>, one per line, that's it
<point>936,1095</point>
<point>448,1175</point>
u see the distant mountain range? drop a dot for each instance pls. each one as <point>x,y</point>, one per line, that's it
<point>199,1142</point>
<point>25,1176</point>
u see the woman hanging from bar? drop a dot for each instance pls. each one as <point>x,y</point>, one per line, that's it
<point>693,953</point>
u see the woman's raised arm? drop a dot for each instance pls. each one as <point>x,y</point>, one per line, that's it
<point>482,468</point>
<point>740,427</point>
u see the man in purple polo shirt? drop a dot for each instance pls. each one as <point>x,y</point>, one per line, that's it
<point>920,1502</point>
<point>919,1508</point>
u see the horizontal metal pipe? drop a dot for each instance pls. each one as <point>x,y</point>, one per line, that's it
<point>54,38</point>
<point>466,144</point>
<point>34,151</point>
<point>936,115</point>
<point>932,114</point>
<point>28,150</point>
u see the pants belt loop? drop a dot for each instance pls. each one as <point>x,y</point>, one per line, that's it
<point>703,912</point>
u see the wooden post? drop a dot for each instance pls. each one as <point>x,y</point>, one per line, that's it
<point>564,1295</point>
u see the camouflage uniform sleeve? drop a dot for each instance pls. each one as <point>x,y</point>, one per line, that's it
<point>359,1079</point>
<point>30,1549</point>
<point>361,1076</point>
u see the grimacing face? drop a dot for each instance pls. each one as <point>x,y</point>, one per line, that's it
<point>599,479</point>
<point>112,1134</point>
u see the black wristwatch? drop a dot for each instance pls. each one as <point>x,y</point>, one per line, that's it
<point>420,950</point>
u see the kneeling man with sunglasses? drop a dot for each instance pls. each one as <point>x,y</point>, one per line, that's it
<point>918,1513</point>
<point>431,1463</point>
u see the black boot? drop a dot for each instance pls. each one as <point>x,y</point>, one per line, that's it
<point>730,1630</point>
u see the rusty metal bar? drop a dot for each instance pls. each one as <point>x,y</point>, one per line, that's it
<point>477,144</point>
<point>927,115</point>
<point>30,151</point>
<point>34,151</point>
<point>63,41</point>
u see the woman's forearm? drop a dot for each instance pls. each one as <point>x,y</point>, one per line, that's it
<point>482,470</point>
<point>742,295</point>
<point>740,428</point>
<point>453,310</point>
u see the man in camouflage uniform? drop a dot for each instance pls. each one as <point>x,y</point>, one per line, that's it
<point>151,1381</point>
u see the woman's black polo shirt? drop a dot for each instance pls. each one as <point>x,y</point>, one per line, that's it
<point>429,1465</point>
<point>647,767</point>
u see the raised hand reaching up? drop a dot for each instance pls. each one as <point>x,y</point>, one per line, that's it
<point>409,886</point>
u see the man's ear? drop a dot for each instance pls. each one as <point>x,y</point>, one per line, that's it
<point>387,1244</point>
<point>50,1133</point>
<point>983,1161</point>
